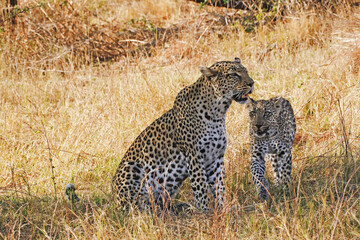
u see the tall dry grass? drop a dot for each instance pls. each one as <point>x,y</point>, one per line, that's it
<point>70,118</point>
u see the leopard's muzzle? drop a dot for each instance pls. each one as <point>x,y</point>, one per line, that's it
<point>242,98</point>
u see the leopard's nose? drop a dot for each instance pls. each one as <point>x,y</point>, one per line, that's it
<point>250,82</point>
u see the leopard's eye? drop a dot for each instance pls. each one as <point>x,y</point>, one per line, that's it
<point>234,75</point>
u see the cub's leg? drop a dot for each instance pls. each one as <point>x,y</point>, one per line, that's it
<point>276,166</point>
<point>257,167</point>
<point>286,162</point>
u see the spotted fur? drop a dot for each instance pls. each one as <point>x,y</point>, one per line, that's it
<point>189,140</point>
<point>272,132</point>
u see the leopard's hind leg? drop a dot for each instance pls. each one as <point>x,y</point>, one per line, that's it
<point>128,184</point>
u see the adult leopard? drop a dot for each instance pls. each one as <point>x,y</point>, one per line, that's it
<point>272,133</point>
<point>189,140</point>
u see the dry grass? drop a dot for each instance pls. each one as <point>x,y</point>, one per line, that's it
<point>79,114</point>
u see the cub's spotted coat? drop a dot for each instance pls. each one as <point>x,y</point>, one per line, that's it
<point>272,133</point>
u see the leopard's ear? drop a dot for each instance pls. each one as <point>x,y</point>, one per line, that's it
<point>209,73</point>
<point>237,60</point>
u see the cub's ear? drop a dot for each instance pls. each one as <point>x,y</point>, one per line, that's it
<point>250,103</point>
<point>279,103</point>
<point>209,73</point>
<point>237,60</point>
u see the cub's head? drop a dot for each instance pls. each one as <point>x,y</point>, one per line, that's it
<point>265,116</point>
<point>230,80</point>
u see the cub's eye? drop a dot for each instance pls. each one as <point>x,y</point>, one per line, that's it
<point>252,113</point>
<point>268,114</point>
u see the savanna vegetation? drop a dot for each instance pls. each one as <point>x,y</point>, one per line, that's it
<point>79,80</point>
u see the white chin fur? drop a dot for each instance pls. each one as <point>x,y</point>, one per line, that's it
<point>260,136</point>
<point>243,101</point>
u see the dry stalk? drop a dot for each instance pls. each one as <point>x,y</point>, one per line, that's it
<point>340,205</point>
<point>50,156</point>
<point>344,133</point>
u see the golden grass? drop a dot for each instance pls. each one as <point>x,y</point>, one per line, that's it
<point>81,118</point>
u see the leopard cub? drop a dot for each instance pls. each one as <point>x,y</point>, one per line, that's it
<point>272,133</point>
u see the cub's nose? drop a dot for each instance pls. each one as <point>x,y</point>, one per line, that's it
<point>261,128</point>
<point>257,127</point>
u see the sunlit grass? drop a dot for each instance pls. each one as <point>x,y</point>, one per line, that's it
<point>81,119</point>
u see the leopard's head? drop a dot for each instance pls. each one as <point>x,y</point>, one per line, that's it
<point>230,80</point>
<point>264,116</point>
